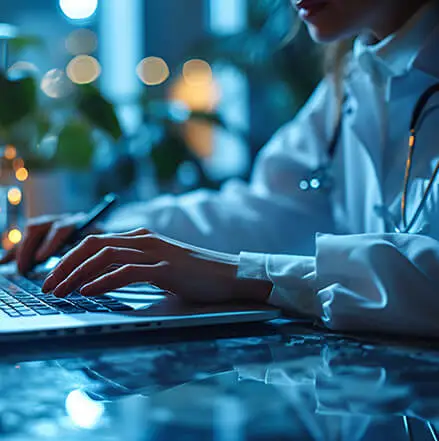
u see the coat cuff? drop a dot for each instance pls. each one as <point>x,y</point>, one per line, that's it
<point>293,279</point>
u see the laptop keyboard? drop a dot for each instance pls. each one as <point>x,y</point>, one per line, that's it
<point>21,297</point>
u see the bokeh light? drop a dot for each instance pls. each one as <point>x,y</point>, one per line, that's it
<point>197,97</point>
<point>10,152</point>
<point>83,411</point>
<point>55,84</point>
<point>82,41</point>
<point>78,9</point>
<point>15,236</point>
<point>14,196</point>
<point>196,72</point>
<point>22,69</point>
<point>6,243</point>
<point>153,71</point>
<point>83,69</point>
<point>200,96</point>
<point>22,174</point>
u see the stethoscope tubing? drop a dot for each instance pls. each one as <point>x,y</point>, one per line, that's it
<point>321,178</point>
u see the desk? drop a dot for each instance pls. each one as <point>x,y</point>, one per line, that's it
<point>283,382</point>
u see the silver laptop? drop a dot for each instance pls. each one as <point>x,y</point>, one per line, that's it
<point>26,313</point>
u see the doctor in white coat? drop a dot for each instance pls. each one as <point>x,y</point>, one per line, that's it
<point>348,249</point>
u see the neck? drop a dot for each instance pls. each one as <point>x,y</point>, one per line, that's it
<point>395,17</point>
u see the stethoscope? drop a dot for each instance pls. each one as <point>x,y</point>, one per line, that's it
<point>321,179</point>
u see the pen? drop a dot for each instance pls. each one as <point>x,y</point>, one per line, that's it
<point>91,217</point>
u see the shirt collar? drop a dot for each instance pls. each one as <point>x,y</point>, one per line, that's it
<point>394,55</point>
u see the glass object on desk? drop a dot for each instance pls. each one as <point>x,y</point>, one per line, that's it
<point>12,174</point>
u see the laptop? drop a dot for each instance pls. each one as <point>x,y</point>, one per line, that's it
<point>27,313</point>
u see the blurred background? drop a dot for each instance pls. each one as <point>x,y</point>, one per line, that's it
<point>140,97</point>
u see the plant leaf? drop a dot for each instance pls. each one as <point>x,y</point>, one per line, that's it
<point>75,146</point>
<point>23,42</point>
<point>43,125</point>
<point>98,111</point>
<point>168,155</point>
<point>18,98</point>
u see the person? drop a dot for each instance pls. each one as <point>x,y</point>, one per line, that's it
<point>342,253</point>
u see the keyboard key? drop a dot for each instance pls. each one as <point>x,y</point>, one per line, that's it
<point>47,312</point>
<point>12,313</point>
<point>95,308</point>
<point>73,311</point>
<point>22,297</point>
<point>28,313</point>
<point>119,308</point>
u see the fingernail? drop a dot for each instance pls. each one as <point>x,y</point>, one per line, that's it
<point>84,291</point>
<point>48,284</point>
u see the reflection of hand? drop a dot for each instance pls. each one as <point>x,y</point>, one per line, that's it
<point>104,263</point>
<point>43,238</point>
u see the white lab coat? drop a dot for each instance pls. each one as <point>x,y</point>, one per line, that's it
<point>357,276</point>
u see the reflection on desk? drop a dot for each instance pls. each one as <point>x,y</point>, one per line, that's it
<point>293,384</point>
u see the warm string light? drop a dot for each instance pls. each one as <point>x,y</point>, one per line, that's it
<point>10,152</point>
<point>197,72</point>
<point>22,174</point>
<point>6,243</point>
<point>196,89</point>
<point>83,69</point>
<point>11,238</point>
<point>153,71</point>
<point>13,235</point>
<point>14,196</point>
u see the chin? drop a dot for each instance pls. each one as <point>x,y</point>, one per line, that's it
<point>322,35</point>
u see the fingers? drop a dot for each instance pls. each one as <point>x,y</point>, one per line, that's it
<point>94,246</point>
<point>123,276</point>
<point>60,232</point>
<point>95,265</point>
<point>34,235</point>
<point>56,237</point>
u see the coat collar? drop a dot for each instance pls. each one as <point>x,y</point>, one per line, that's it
<point>395,55</point>
<point>366,118</point>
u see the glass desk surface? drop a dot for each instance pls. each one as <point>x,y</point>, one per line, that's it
<point>272,381</point>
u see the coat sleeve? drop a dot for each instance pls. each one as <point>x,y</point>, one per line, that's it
<point>374,283</point>
<point>269,214</point>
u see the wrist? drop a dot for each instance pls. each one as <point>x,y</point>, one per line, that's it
<point>252,290</point>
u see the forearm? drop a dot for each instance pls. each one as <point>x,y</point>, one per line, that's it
<point>257,291</point>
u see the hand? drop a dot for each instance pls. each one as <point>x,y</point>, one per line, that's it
<point>44,236</point>
<point>104,263</point>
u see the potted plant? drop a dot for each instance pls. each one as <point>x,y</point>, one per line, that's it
<point>47,143</point>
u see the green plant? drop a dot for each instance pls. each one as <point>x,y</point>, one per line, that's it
<point>171,147</point>
<point>27,118</point>
<point>280,62</point>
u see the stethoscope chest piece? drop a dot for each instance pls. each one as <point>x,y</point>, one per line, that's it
<point>319,179</point>
<point>322,178</point>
